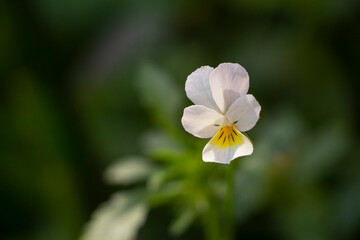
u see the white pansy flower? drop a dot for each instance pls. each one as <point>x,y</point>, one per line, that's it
<point>222,111</point>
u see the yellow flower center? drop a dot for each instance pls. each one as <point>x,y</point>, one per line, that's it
<point>226,137</point>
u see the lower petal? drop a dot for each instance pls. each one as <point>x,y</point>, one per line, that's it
<point>227,145</point>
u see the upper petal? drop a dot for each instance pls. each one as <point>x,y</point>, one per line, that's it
<point>197,87</point>
<point>201,121</point>
<point>214,152</point>
<point>244,112</point>
<point>228,82</point>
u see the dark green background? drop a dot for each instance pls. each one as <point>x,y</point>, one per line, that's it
<point>70,105</point>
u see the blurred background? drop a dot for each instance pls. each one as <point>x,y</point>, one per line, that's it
<point>91,84</point>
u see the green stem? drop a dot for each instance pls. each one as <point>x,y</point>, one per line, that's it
<point>211,224</point>
<point>229,206</point>
<point>219,220</point>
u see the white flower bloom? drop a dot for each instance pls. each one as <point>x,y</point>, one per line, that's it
<point>222,110</point>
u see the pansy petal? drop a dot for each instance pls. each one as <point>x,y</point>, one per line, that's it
<point>197,87</point>
<point>244,112</point>
<point>202,121</point>
<point>213,152</point>
<point>228,82</point>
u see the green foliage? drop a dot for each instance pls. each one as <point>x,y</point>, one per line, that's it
<point>88,82</point>
<point>128,171</point>
<point>118,219</point>
<point>159,94</point>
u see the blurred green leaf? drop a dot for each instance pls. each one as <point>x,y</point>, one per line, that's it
<point>118,219</point>
<point>160,95</point>
<point>182,222</point>
<point>166,193</point>
<point>129,170</point>
<point>157,143</point>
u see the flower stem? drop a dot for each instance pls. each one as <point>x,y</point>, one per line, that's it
<point>212,225</point>
<point>219,221</point>
<point>229,205</point>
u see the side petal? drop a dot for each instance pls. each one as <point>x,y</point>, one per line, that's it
<point>228,82</point>
<point>202,121</point>
<point>197,87</point>
<point>220,154</point>
<point>244,112</point>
